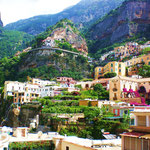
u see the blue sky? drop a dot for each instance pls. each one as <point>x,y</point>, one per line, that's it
<point>13,10</point>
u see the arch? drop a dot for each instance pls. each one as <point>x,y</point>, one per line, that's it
<point>142,89</point>
<point>87,86</point>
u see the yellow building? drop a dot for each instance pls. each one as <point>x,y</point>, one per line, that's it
<point>143,59</point>
<point>136,63</point>
<point>117,67</point>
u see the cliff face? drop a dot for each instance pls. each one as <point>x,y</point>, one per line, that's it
<point>131,18</point>
<point>83,14</point>
<point>71,37</point>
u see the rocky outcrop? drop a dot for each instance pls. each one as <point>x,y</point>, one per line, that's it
<point>68,34</point>
<point>21,117</point>
<point>131,18</point>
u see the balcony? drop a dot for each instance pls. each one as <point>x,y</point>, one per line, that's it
<point>131,100</point>
<point>140,128</point>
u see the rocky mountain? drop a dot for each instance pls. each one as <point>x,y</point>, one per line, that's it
<point>82,14</point>
<point>130,20</point>
<point>64,35</point>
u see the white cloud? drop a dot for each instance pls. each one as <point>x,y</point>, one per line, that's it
<point>13,10</point>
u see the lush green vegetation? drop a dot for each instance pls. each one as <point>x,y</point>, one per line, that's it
<point>145,51</point>
<point>66,45</point>
<point>144,71</point>
<point>12,41</point>
<point>101,92</point>
<point>110,75</point>
<point>77,68</point>
<point>42,145</point>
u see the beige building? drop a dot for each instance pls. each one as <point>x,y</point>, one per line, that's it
<point>126,89</point>
<point>75,143</point>
<point>137,60</point>
<point>139,137</point>
<point>117,67</point>
<point>89,84</point>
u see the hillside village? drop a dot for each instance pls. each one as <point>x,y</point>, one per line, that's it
<point>117,88</point>
<point>56,94</point>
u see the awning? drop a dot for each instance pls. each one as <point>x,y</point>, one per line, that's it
<point>133,134</point>
<point>147,136</point>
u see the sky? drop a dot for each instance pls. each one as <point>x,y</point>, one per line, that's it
<point>14,10</point>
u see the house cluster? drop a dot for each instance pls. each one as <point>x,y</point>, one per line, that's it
<point>129,49</point>
<point>34,88</point>
<point>21,134</point>
<point>127,68</point>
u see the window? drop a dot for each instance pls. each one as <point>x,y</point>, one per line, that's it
<point>119,70</point>
<point>116,112</point>
<point>67,148</point>
<point>126,112</point>
<point>119,65</point>
<point>111,70</point>
<point>99,69</point>
<point>149,63</point>
<point>111,65</point>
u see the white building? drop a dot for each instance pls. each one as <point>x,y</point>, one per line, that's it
<point>42,82</point>
<point>21,92</point>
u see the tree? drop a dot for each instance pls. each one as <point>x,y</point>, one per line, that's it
<point>144,71</point>
<point>102,93</point>
<point>98,88</point>
<point>110,75</point>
